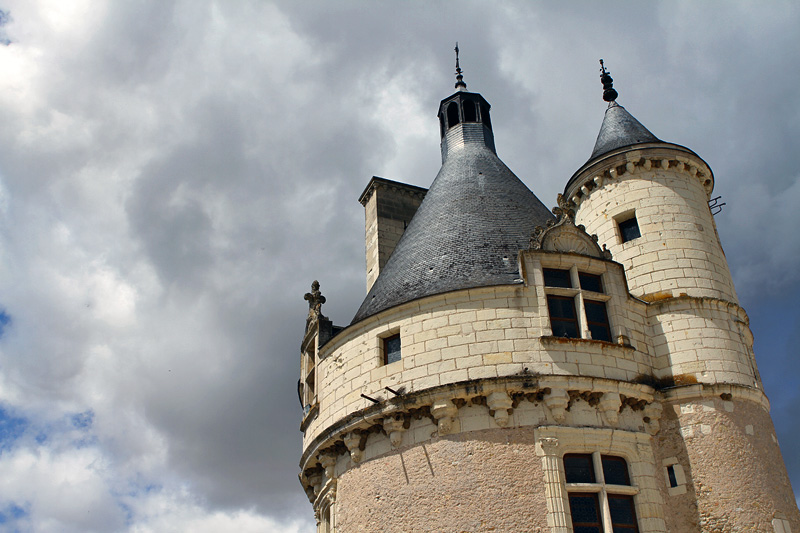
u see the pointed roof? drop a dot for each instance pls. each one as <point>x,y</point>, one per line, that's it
<point>467,232</point>
<point>620,129</point>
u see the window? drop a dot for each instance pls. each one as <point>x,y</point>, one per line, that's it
<point>589,318</point>
<point>470,114</point>
<point>597,320</point>
<point>676,478</point>
<point>391,349</point>
<point>557,278</point>
<point>629,228</point>
<point>563,320</point>
<point>485,116</point>
<point>452,114</point>
<point>590,282</point>
<point>600,494</point>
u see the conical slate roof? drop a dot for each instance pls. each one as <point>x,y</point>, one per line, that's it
<point>620,129</point>
<point>467,232</point>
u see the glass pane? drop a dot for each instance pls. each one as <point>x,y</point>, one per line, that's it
<point>629,229</point>
<point>557,278</point>
<point>392,348</point>
<point>590,282</point>
<point>623,515</point>
<point>587,529</point>
<point>585,512</point>
<point>561,307</point>
<point>615,470</point>
<point>563,328</point>
<point>597,320</point>
<point>579,468</point>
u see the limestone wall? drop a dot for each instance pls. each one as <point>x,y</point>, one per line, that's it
<point>668,191</point>
<point>482,481</point>
<point>735,478</point>
<point>467,335</point>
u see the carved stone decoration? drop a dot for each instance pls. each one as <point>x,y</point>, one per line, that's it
<point>328,462</point>
<point>557,400</point>
<point>549,445</point>
<point>315,300</point>
<point>445,413</point>
<point>315,481</point>
<point>652,417</point>
<point>353,441</point>
<point>609,405</point>
<point>394,429</point>
<point>500,403</point>
<point>565,236</point>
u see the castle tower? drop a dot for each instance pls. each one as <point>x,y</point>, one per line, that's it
<point>510,370</point>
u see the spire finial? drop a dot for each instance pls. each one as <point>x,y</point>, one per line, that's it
<point>609,93</point>
<point>459,77</point>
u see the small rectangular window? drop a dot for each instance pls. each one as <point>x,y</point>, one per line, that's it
<point>391,349</point>
<point>597,320</point>
<point>563,320</point>
<point>557,278</point>
<point>629,229</point>
<point>590,282</point>
<point>673,481</point>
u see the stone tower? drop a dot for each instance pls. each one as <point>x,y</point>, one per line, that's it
<point>511,370</point>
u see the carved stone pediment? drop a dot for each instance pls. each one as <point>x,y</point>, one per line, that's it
<point>564,236</point>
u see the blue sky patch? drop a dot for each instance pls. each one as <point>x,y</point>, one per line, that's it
<point>11,428</point>
<point>5,320</point>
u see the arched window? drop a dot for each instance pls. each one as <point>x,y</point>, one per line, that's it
<point>470,113</point>
<point>452,114</point>
<point>441,125</point>
<point>485,116</point>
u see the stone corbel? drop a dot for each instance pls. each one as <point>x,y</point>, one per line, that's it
<point>609,405</point>
<point>315,482</point>
<point>328,462</point>
<point>557,400</point>
<point>499,402</point>
<point>652,417</point>
<point>353,442</point>
<point>445,413</point>
<point>394,429</point>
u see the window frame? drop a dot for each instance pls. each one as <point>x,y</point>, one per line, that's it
<point>579,296</point>
<point>603,491</point>
<point>625,219</point>
<point>384,341</point>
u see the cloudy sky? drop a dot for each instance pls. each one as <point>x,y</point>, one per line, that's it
<point>174,174</point>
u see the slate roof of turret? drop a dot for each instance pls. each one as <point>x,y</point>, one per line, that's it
<point>467,232</point>
<point>620,129</point>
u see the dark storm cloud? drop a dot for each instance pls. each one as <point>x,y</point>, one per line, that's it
<point>173,175</point>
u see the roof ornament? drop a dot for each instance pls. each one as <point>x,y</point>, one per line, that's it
<point>315,300</point>
<point>609,93</point>
<point>460,84</point>
<point>565,236</point>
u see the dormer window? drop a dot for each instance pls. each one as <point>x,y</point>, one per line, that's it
<point>576,304</point>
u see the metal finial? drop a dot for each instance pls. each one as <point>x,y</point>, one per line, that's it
<point>609,93</point>
<point>459,77</point>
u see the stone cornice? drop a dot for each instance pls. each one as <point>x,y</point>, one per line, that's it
<point>638,161</point>
<point>396,186</point>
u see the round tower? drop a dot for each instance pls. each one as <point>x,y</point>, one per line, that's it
<point>648,202</point>
<point>510,371</point>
